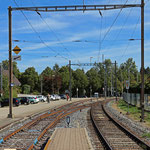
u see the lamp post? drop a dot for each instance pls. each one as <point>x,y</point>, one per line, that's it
<point>77,92</point>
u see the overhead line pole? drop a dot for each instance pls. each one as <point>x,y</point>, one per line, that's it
<point>71,8</point>
<point>142,60</point>
<point>10,115</point>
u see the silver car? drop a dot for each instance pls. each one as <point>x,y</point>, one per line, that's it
<point>42,98</point>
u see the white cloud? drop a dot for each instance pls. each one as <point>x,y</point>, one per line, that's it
<point>41,26</point>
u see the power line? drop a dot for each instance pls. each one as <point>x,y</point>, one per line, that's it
<point>122,27</point>
<point>131,38</point>
<point>60,42</point>
<point>53,33</point>
<point>110,27</point>
<point>51,29</point>
<point>37,32</point>
<point>113,23</point>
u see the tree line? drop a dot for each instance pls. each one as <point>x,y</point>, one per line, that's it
<point>56,79</point>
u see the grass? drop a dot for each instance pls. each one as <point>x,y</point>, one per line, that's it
<point>133,111</point>
<point>146,135</point>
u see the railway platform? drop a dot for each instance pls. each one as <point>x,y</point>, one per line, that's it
<point>69,139</point>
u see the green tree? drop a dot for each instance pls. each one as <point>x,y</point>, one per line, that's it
<point>30,77</point>
<point>47,80</point>
<point>64,73</point>
<point>129,71</point>
<point>80,81</point>
<point>94,81</point>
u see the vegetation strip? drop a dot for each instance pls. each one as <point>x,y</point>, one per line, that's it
<point>124,128</point>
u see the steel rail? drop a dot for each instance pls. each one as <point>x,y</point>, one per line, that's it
<point>41,117</point>
<point>124,128</point>
<point>38,119</point>
<point>100,134</point>
<point>56,120</point>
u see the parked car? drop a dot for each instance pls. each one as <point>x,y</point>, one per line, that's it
<point>16,101</point>
<point>52,97</point>
<point>33,100</point>
<point>24,100</point>
<point>5,102</point>
<point>36,97</point>
<point>63,96</point>
<point>42,98</point>
<point>57,97</point>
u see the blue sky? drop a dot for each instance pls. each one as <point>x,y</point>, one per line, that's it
<point>60,30</point>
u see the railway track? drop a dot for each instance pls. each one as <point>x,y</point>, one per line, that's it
<point>113,135</point>
<point>35,133</point>
<point>96,141</point>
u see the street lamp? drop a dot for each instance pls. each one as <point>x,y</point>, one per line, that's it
<point>77,92</point>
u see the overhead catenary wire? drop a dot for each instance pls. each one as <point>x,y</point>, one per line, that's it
<point>100,35</point>
<point>52,30</point>
<point>113,41</point>
<point>110,29</point>
<point>60,42</point>
<point>38,33</point>
<point>113,23</point>
<point>130,38</point>
<point>54,34</point>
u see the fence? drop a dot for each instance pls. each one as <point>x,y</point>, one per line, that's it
<point>134,99</point>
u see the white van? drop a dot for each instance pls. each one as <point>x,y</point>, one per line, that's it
<point>96,95</point>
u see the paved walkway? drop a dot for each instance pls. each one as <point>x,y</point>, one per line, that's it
<point>25,111</point>
<point>69,139</point>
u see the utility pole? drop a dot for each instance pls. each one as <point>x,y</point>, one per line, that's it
<point>115,80</point>
<point>142,61</point>
<point>70,92</point>
<point>10,115</point>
